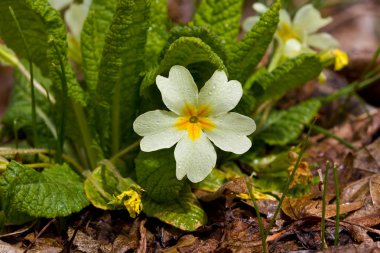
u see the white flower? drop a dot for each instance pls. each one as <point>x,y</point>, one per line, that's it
<point>194,120</point>
<point>300,35</point>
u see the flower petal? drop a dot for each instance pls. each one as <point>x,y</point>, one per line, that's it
<point>309,19</point>
<point>195,158</point>
<point>292,48</point>
<point>285,18</point>
<point>219,94</point>
<point>322,41</point>
<point>230,132</point>
<point>158,129</point>
<point>250,22</point>
<point>178,89</point>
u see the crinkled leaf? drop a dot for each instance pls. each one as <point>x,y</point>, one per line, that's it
<point>285,126</point>
<point>40,24</point>
<point>101,177</point>
<point>246,54</point>
<point>207,35</point>
<point>93,38</point>
<point>156,174</point>
<point>184,51</point>
<point>54,192</point>
<point>185,213</point>
<point>120,67</point>
<point>222,16</point>
<point>157,32</point>
<point>291,74</point>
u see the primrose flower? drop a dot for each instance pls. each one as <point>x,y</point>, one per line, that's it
<point>300,35</point>
<point>132,202</point>
<point>194,121</point>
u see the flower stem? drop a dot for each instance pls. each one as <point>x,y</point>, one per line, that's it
<point>125,151</point>
<point>86,134</point>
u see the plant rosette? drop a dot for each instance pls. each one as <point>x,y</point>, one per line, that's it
<point>194,121</point>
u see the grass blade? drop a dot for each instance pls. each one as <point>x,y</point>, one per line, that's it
<point>337,203</point>
<point>259,220</point>
<point>34,127</point>
<point>323,221</point>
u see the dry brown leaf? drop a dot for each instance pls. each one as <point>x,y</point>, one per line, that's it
<point>306,207</point>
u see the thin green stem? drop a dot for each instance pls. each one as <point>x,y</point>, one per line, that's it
<point>290,180</point>
<point>85,133</point>
<point>259,220</point>
<point>61,136</point>
<point>38,165</point>
<point>125,151</point>
<point>34,127</point>
<point>116,119</point>
<point>337,203</point>
<point>350,88</point>
<point>331,135</point>
<point>323,221</point>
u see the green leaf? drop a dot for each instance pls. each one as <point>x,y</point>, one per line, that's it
<point>120,67</point>
<point>184,51</point>
<point>285,126</point>
<point>222,16</point>
<point>101,178</point>
<point>93,38</point>
<point>246,54</point>
<point>207,35</point>
<point>157,32</point>
<point>18,118</point>
<point>212,182</point>
<point>289,75</point>
<point>156,173</point>
<point>54,192</point>
<point>40,23</point>
<point>185,213</point>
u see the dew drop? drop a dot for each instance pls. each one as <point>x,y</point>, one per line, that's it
<point>209,93</point>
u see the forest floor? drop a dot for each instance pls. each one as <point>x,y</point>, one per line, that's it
<point>233,225</point>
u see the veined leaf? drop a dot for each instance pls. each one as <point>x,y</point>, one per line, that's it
<point>93,38</point>
<point>157,32</point>
<point>222,16</point>
<point>54,192</point>
<point>246,54</point>
<point>110,186</point>
<point>206,34</point>
<point>285,126</point>
<point>184,51</point>
<point>185,213</point>
<point>291,74</point>
<point>120,67</point>
<point>40,23</point>
<point>155,173</point>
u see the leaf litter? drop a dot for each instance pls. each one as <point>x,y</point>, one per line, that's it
<point>232,225</point>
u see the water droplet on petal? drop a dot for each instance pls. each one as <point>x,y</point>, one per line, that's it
<point>209,93</point>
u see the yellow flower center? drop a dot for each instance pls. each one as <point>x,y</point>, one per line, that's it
<point>285,32</point>
<point>194,120</point>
